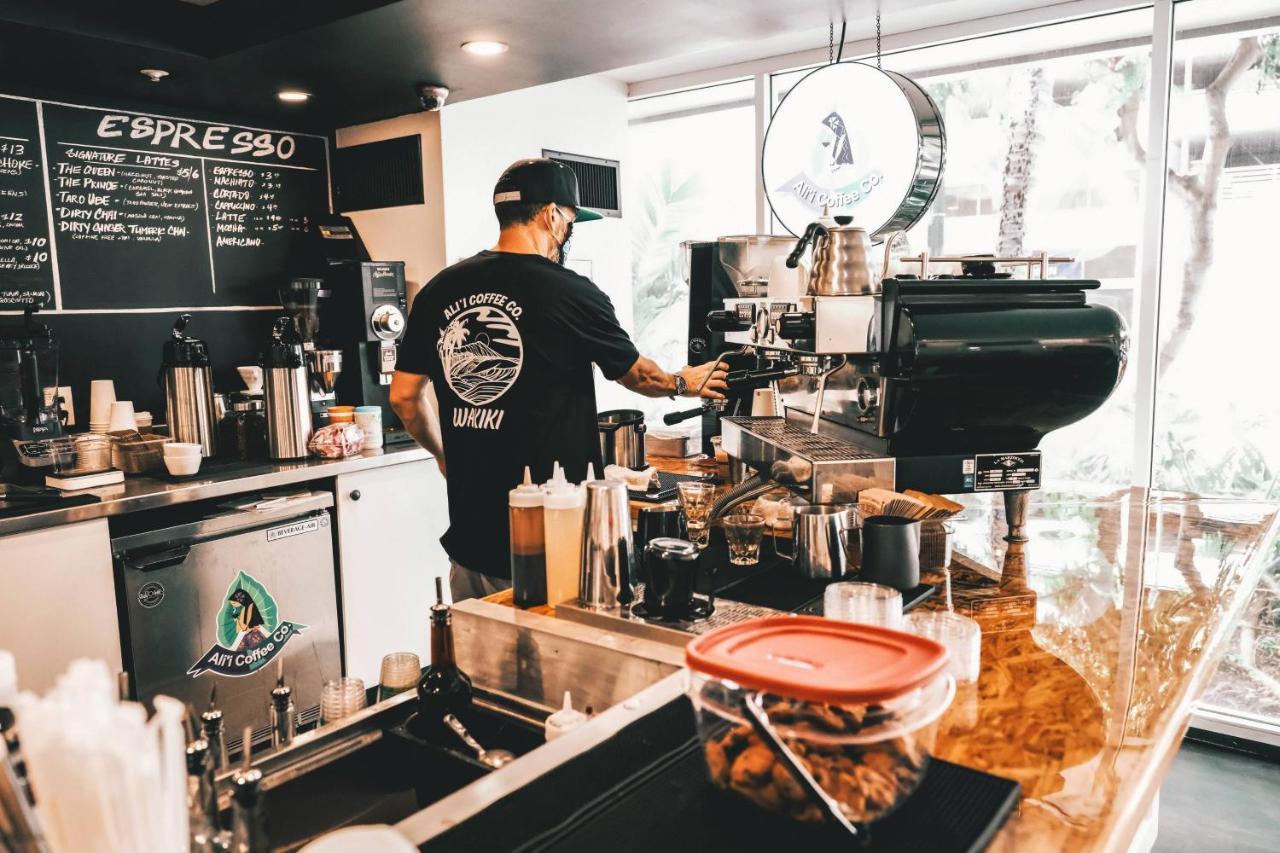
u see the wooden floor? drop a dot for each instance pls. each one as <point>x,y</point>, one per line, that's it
<point>1215,799</point>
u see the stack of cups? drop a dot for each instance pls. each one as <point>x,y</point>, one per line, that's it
<point>400,672</point>
<point>961,635</point>
<point>369,419</point>
<point>102,393</point>
<point>340,698</point>
<point>868,603</point>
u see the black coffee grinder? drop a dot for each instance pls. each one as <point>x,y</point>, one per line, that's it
<point>30,417</point>
<point>361,312</point>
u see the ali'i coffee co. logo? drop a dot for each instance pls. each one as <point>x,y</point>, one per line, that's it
<point>250,631</point>
<point>850,139</point>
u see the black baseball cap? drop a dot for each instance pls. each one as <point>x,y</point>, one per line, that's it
<point>541,180</point>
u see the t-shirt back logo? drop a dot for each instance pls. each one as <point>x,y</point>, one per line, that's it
<point>481,353</point>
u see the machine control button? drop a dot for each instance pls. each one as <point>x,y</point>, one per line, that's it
<point>794,326</point>
<point>387,321</point>
<point>868,396</point>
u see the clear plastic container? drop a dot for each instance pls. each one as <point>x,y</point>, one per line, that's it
<point>869,756</point>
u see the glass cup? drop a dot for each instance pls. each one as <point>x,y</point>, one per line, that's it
<point>960,634</point>
<point>340,698</point>
<point>868,603</point>
<point>400,672</point>
<point>744,533</point>
<point>697,498</point>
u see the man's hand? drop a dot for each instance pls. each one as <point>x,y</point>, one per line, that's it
<point>706,380</point>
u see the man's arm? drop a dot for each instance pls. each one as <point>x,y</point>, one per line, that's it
<point>648,379</point>
<point>414,403</point>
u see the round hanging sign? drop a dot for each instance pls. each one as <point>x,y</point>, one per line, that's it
<point>863,142</point>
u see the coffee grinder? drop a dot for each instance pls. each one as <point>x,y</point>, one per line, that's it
<point>360,313</point>
<point>302,298</point>
<point>30,418</point>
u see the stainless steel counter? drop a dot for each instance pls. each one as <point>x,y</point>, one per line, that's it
<point>141,493</point>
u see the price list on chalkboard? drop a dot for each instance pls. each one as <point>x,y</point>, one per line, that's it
<point>26,265</point>
<point>143,211</point>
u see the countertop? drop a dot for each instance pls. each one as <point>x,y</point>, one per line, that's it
<point>1098,636</point>
<point>143,492</point>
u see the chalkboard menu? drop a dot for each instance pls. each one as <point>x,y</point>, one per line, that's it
<point>108,209</point>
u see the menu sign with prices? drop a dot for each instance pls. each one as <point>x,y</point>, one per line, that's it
<point>26,266</point>
<point>146,211</point>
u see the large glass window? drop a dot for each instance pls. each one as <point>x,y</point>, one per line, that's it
<point>1217,429</point>
<point>1037,160</point>
<point>688,176</point>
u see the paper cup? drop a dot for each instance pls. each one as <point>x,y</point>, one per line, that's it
<point>102,393</point>
<point>122,416</point>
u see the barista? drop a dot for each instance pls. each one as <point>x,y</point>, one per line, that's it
<point>505,341</point>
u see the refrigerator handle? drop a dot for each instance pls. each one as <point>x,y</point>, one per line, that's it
<point>157,559</point>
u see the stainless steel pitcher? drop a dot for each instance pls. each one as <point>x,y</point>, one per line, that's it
<point>840,260</point>
<point>820,534</point>
<point>608,555</point>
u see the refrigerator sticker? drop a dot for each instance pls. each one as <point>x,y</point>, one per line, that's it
<point>296,529</point>
<point>150,594</point>
<point>250,631</point>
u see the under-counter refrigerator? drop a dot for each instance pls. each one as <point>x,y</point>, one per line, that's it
<point>225,599</point>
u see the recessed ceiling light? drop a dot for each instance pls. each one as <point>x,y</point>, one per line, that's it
<point>485,48</point>
<point>293,96</point>
<point>155,75</point>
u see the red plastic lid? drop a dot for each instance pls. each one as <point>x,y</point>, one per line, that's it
<point>817,659</point>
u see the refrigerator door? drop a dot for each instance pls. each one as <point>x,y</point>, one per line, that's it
<point>226,600</point>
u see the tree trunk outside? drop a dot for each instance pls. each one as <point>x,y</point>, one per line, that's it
<point>1019,165</point>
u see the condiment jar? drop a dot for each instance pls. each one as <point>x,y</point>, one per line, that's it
<point>856,703</point>
<point>369,419</point>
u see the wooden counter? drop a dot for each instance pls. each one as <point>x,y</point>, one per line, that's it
<point>1098,636</point>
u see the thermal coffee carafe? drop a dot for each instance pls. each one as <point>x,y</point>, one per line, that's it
<point>188,389</point>
<point>288,392</point>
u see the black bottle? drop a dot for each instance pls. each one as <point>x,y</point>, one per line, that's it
<point>443,687</point>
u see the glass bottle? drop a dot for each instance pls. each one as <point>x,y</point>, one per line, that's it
<point>443,687</point>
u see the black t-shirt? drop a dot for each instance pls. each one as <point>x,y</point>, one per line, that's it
<point>508,341</point>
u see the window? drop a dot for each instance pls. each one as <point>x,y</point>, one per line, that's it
<point>1217,428</point>
<point>687,177</point>
<point>1012,104</point>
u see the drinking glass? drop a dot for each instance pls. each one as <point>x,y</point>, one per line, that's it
<point>697,499</point>
<point>960,634</point>
<point>340,698</point>
<point>400,672</point>
<point>744,532</point>
<point>868,603</point>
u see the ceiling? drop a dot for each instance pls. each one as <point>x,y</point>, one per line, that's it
<point>360,58</point>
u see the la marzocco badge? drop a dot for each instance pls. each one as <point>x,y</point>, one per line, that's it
<point>250,631</point>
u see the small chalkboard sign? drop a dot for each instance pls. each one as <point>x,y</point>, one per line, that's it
<point>26,259</point>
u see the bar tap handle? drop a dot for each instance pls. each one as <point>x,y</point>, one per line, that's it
<point>249,815</point>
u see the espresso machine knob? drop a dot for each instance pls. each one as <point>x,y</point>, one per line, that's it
<point>868,396</point>
<point>727,321</point>
<point>387,321</point>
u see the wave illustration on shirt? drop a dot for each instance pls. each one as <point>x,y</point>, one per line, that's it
<point>481,352</point>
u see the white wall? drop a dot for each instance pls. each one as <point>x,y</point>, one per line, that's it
<point>480,138</point>
<point>412,233</point>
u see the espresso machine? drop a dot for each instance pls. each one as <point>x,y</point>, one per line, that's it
<point>941,383</point>
<point>30,418</point>
<point>351,313</point>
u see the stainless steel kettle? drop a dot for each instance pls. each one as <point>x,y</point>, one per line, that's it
<point>840,260</point>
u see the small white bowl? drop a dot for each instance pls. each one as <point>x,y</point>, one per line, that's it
<point>181,448</point>
<point>182,466</point>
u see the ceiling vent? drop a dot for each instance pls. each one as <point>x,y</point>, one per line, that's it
<point>378,174</point>
<point>597,181</point>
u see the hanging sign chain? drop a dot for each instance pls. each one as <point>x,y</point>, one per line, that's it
<point>877,35</point>
<point>831,41</point>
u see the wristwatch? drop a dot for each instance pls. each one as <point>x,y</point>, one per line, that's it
<point>682,387</point>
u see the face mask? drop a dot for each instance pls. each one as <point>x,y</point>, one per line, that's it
<point>562,250</point>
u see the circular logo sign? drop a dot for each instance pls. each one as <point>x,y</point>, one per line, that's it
<point>856,140</point>
<point>150,594</point>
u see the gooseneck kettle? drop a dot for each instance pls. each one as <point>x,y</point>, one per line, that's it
<point>840,258</point>
<point>188,389</point>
